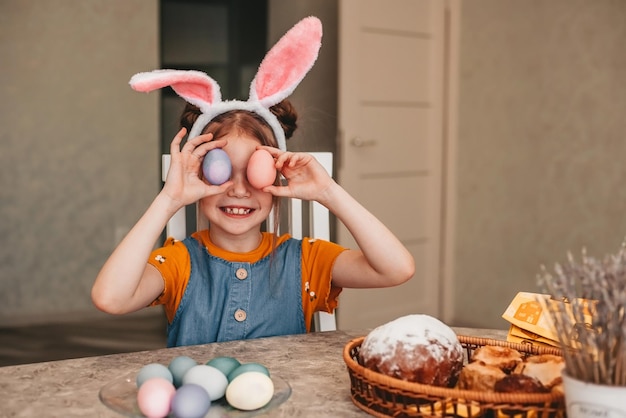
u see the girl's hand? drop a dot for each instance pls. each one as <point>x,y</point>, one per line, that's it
<point>184,184</point>
<point>306,178</point>
<point>381,260</point>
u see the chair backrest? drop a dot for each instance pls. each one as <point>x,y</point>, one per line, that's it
<point>317,223</point>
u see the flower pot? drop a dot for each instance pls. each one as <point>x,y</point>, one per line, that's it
<point>591,400</point>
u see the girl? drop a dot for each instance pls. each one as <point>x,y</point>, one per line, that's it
<point>233,281</point>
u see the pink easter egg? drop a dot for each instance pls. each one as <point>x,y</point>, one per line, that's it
<point>154,397</point>
<point>261,170</point>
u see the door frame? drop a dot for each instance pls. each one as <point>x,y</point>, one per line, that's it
<point>449,160</point>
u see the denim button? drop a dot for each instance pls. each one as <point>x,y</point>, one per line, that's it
<point>240,315</point>
<point>241,273</point>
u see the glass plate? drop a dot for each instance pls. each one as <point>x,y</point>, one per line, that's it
<point>120,395</point>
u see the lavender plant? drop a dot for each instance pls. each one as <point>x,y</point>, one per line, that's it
<point>594,350</point>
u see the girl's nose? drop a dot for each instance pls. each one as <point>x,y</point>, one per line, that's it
<point>240,187</point>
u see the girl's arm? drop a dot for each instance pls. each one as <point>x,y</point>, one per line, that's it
<point>127,282</point>
<point>382,260</point>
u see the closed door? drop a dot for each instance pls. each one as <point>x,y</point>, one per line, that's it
<point>391,116</point>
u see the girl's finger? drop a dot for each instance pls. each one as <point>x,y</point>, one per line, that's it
<point>201,150</point>
<point>194,142</point>
<point>212,189</point>
<point>274,190</point>
<point>202,138</point>
<point>282,158</point>
<point>293,161</point>
<point>208,146</point>
<point>275,152</point>
<point>224,186</point>
<point>175,145</point>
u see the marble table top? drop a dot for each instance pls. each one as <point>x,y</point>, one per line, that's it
<point>312,364</point>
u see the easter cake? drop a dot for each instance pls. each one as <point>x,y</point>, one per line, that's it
<point>416,348</point>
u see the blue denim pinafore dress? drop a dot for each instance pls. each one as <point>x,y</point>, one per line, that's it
<point>227,301</point>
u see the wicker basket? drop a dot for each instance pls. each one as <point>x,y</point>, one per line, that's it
<point>384,396</point>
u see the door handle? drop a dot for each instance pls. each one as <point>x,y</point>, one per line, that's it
<point>359,142</point>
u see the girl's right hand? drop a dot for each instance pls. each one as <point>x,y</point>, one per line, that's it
<point>184,184</point>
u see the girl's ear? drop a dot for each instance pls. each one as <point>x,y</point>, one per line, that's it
<point>286,64</point>
<point>195,87</point>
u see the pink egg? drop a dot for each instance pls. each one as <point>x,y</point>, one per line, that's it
<point>261,170</point>
<point>154,397</point>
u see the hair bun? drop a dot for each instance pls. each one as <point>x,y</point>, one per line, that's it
<point>189,116</point>
<point>286,114</point>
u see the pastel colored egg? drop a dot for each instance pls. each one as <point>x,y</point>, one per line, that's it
<point>154,397</point>
<point>248,367</point>
<point>210,378</point>
<point>216,166</point>
<point>224,364</point>
<point>190,401</point>
<point>153,370</point>
<point>250,391</point>
<point>261,170</point>
<point>179,366</point>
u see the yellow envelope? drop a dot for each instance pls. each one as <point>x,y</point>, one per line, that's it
<point>521,336</point>
<point>530,312</point>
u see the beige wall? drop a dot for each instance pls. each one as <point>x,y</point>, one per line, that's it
<point>80,150</point>
<point>541,144</point>
<point>79,160</point>
<point>538,157</point>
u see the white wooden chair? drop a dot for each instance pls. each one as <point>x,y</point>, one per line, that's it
<point>317,224</point>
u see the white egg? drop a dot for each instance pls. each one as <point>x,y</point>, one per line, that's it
<point>249,391</point>
<point>210,378</point>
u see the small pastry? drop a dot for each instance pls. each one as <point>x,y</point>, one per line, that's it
<point>544,367</point>
<point>519,383</point>
<point>479,376</point>
<point>504,358</point>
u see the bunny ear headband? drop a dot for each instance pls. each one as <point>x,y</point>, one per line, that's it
<point>280,72</point>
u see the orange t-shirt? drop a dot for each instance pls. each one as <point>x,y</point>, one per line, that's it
<point>318,257</point>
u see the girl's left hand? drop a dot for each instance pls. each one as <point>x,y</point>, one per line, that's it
<point>306,178</point>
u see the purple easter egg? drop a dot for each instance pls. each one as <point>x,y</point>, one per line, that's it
<point>216,166</point>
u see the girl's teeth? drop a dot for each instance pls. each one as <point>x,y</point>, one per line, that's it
<point>237,211</point>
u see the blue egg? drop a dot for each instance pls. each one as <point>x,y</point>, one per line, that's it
<point>153,370</point>
<point>224,364</point>
<point>216,166</point>
<point>190,401</point>
<point>248,367</point>
<point>179,366</point>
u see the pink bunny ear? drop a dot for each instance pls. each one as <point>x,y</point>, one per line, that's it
<point>194,86</point>
<point>286,64</point>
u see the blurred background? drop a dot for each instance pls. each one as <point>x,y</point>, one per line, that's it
<point>488,134</point>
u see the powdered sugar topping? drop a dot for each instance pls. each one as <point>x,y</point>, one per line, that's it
<point>412,330</point>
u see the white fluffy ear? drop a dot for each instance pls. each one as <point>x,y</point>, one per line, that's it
<point>286,64</point>
<point>195,87</point>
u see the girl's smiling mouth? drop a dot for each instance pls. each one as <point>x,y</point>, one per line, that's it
<point>232,210</point>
